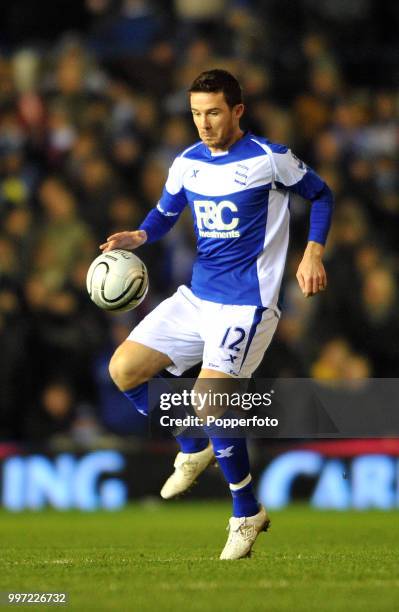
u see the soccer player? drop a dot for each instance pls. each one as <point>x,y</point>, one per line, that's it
<point>237,186</point>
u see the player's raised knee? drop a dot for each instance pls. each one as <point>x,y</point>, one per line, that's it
<point>126,372</point>
<point>133,364</point>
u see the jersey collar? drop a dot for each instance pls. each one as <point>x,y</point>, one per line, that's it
<point>236,145</point>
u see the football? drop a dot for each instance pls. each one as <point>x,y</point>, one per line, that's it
<point>117,281</point>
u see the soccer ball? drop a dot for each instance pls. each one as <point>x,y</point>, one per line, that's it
<point>117,281</point>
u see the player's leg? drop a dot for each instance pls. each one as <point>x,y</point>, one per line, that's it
<point>161,340</point>
<point>230,451</point>
<point>131,366</point>
<point>165,339</point>
<point>235,346</point>
<point>230,448</point>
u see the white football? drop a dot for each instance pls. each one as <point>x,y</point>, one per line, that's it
<point>117,281</point>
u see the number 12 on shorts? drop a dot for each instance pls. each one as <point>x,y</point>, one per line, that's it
<point>235,336</point>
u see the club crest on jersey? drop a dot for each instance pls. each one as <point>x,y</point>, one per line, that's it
<point>241,174</point>
<point>216,219</point>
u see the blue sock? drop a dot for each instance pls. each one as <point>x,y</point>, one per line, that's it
<point>191,445</point>
<point>244,501</point>
<point>138,396</point>
<point>232,457</point>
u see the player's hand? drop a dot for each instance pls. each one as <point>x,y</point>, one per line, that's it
<point>124,240</point>
<point>311,274</point>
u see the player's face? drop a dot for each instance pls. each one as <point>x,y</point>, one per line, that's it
<point>218,125</point>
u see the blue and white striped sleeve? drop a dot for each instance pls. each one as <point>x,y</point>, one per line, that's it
<point>171,204</point>
<point>291,173</point>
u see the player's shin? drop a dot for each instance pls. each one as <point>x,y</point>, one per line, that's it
<point>232,457</point>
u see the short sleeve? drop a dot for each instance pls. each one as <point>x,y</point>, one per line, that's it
<point>289,170</point>
<point>173,198</point>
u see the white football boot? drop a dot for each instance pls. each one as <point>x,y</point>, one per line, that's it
<point>243,532</point>
<point>188,466</point>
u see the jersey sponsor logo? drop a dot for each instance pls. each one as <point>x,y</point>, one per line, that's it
<point>216,219</point>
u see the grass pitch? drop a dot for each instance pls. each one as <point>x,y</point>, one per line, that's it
<point>165,557</point>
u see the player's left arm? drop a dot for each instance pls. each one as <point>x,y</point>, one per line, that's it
<point>292,174</point>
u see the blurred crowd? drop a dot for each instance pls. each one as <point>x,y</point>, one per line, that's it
<point>91,116</point>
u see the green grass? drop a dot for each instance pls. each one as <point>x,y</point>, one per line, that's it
<point>165,557</point>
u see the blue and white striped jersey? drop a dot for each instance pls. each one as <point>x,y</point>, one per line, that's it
<point>239,201</point>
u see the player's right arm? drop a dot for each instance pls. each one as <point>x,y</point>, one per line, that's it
<point>159,220</point>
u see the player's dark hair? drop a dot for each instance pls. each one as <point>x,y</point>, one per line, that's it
<point>213,81</point>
